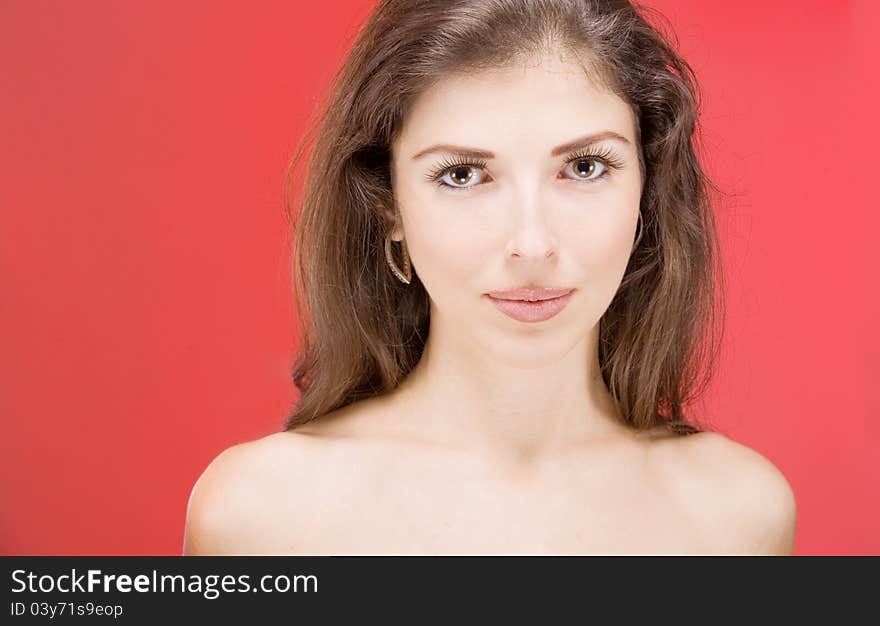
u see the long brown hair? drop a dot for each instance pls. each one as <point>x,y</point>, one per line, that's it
<point>362,331</point>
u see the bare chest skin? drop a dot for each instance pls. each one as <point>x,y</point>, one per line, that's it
<point>385,498</point>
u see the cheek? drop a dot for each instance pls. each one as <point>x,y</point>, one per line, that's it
<point>603,245</point>
<point>446,250</point>
<point>443,252</point>
<point>604,239</point>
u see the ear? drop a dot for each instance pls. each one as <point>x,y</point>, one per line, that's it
<point>391,217</point>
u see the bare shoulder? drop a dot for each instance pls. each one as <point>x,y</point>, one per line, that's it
<point>236,498</point>
<point>739,498</point>
<point>263,496</point>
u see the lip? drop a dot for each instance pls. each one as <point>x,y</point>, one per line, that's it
<point>531,311</point>
<point>530,292</point>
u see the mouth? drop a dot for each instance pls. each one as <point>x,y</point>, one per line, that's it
<point>530,293</point>
<point>532,310</point>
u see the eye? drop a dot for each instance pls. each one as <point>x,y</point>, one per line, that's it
<point>586,164</point>
<point>585,169</point>
<point>459,174</point>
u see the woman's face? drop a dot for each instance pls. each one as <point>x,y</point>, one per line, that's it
<point>522,213</point>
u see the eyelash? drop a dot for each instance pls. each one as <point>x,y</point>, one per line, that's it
<point>606,157</point>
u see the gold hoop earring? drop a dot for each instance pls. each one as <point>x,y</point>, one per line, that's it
<point>406,275</point>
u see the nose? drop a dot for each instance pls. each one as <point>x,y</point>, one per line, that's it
<point>532,236</point>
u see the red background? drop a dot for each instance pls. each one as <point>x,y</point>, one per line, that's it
<point>146,321</point>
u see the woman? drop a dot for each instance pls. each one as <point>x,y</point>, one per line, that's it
<point>508,257</point>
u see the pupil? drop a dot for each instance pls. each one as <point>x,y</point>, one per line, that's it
<point>458,170</point>
<point>589,168</point>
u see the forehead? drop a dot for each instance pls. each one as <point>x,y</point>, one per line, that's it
<point>532,104</point>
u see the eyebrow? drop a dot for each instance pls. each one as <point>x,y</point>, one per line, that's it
<point>477,153</point>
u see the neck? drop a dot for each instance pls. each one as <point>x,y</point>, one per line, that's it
<point>529,396</point>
